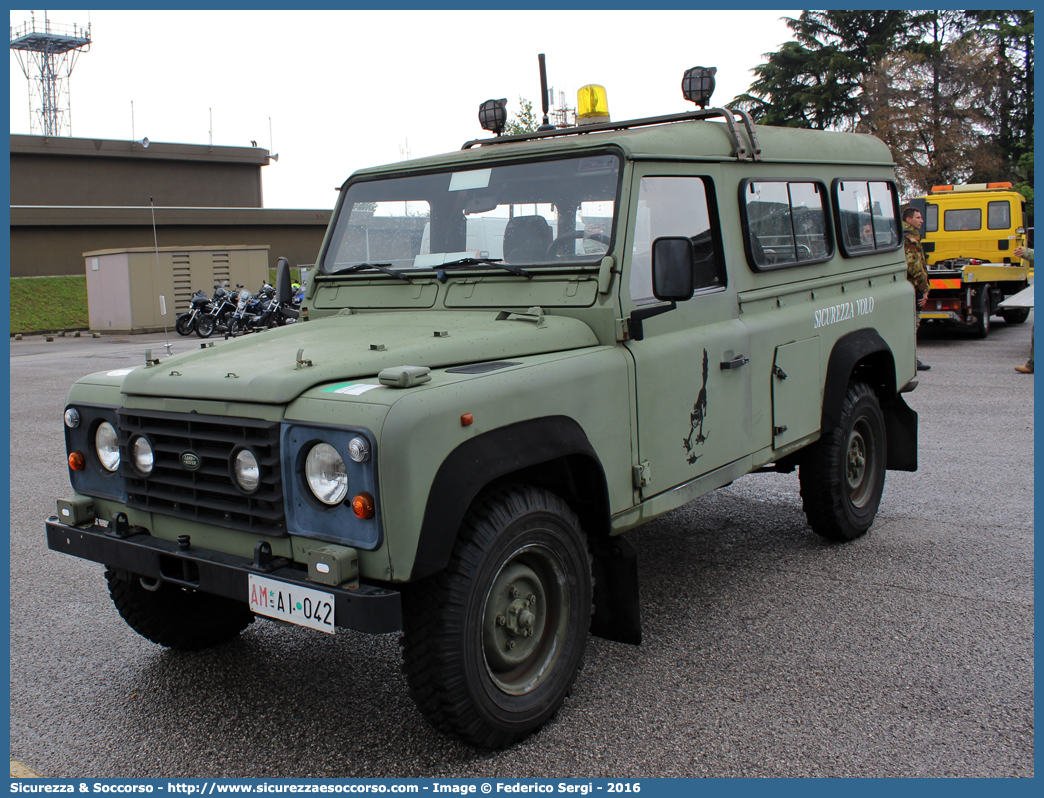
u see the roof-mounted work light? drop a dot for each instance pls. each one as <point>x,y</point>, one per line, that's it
<point>493,115</point>
<point>698,85</point>
<point>592,105</point>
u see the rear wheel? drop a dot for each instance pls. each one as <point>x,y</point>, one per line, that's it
<point>176,617</point>
<point>493,643</point>
<point>1016,315</point>
<point>842,477</point>
<point>984,310</point>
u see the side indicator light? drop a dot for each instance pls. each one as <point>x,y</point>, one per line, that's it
<point>466,420</point>
<point>76,461</point>
<point>362,506</point>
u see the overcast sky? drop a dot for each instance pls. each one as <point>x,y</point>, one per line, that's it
<point>351,89</point>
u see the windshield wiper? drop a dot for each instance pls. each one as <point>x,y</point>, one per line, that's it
<point>384,268</point>
<point>466,263</point>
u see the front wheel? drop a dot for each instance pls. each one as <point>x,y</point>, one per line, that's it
<point>174,616</point>
<point>493,643</point>
<point>184,324</point>
<point>842,477</point>
<point>205,326</point>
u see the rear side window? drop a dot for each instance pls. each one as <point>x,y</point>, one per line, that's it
<point>867,216</point>
<point>785,223</point>
<point>962,219</point>
<point>931,221</point>
<point>675,206</point>
<point>998,215</point>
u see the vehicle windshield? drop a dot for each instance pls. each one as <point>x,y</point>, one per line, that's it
<point>553,212</point>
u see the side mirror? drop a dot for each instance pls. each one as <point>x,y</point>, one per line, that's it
<point>673,268</point>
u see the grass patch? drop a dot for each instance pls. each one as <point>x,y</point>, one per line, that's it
<point>48,303</point>
<point>295,275</point>
<point>60,303</point>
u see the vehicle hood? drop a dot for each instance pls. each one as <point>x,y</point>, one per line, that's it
<point>263,367</point>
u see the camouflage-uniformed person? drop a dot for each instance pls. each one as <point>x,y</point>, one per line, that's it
<point>916,266</point>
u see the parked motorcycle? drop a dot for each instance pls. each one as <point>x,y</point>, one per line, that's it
<point>270,307</point>
<point>199,306</point>
<point>224,305</point>
<point>253,311</point>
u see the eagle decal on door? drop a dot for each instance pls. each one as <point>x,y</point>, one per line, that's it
<point>698,416</point>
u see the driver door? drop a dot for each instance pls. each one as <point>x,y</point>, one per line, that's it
<point>692,379</point>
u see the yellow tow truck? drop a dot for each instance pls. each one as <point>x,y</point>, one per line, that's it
<point>970,232</point>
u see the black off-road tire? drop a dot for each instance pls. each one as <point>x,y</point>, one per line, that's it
<point>175,617</point>
<point>484,661</point>
<point>842,476</point>
<point>1016,315</point>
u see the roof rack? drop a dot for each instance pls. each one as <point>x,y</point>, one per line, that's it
<point>739,151</point>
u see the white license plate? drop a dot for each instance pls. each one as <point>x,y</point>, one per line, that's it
<point>292,603</point>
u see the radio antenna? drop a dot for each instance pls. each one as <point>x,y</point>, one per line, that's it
<point>546,125</point>
<point>159,275</point>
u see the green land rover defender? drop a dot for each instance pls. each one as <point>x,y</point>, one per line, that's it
<point>509,356</point>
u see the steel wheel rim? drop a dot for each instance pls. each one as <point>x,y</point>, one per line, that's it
<point>860,463</point>
<point>525,619</point>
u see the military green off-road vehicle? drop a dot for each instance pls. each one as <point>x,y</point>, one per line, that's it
<point>455,437</point>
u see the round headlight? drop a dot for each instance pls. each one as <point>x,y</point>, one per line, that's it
<point>107,445</point>
<point>143,458</point>
<point>72,418</point>
<point>359,450</point>
<point>326,474</point>
<point>247,471</point>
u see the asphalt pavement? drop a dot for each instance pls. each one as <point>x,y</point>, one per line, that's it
<point>766,652</point>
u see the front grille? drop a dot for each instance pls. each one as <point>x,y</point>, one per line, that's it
<point>208,493</point>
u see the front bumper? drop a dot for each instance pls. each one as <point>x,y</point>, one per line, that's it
<point>367,608</point>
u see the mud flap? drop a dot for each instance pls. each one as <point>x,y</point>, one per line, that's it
<point>901,430</point>
<point>617,614</point>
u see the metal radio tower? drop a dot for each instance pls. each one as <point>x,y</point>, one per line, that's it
<point>47,54</point>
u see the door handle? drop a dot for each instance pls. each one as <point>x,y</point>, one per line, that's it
<point>735,363</point>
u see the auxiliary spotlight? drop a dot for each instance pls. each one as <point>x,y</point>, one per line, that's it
<point>698,85</point>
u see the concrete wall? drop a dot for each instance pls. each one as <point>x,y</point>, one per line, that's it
<point>51,241</point>
<point>97,172</point>
<point>71,196</point>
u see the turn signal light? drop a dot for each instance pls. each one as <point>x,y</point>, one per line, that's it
<point>76,462</point>
<point>362,506</point>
